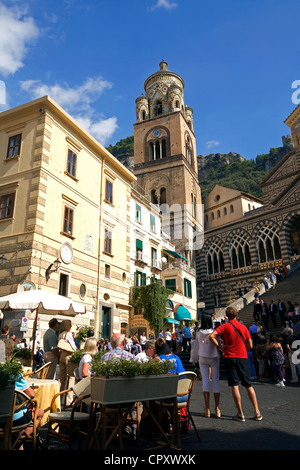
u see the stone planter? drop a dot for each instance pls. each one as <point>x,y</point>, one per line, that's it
<point>116,390</point>
<point>71,366</point>
<point>6,400</point>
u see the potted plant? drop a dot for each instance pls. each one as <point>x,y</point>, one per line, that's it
<point>10,371</point>
<point>74,361</point>
<point>121,380</point>
<point>24,356</point>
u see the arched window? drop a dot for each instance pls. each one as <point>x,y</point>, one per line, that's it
<point>144,115</point>
<point>214,258</point>
<point>231,209</point>
<point>225,211</point>
<point>239,251</point>
<point>267,244</point>
<point>158,108</point>
<point>189,150</point>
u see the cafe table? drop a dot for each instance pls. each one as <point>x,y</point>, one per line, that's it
<point>45,389</point>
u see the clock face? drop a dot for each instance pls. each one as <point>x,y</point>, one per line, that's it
<point>156,133</point>
<point>66,253</point>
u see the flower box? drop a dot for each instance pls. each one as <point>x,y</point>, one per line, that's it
<point>117,390</point>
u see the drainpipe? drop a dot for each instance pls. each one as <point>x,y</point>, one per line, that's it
<point>97,311</point>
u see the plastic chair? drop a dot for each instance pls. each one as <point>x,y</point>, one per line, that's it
<point>184,390</point>
<point>13,435</point>
<point>64,425</point>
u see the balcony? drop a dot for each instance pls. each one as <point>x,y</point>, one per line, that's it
<point>178,265</point>
<point>156,265</point>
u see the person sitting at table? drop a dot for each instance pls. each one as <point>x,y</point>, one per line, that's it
<point>25,415</point>
<point>165,354</point>
<point>148,353</point>
<point>90,349</point>
<point>117,343</point>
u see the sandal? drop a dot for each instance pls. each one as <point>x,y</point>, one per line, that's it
<point>258,417</point>
<point>239,417</point>
<point>218,413</point>
<point>206,413</point>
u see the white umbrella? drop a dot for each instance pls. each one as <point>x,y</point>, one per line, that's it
<point>43,302</point>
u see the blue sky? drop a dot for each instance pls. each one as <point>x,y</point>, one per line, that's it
<point>238,58</point>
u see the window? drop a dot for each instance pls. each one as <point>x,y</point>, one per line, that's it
<point>231,209</point>
<point>158,108</point>
<point>170,284</point>
<point>187,288</point>
<point>64,283</point>
<point>138,213</point>
<point>7,206</point>
<point>14,146</point>
<point>72,162</point>
<point>107,241</point>
<point>154,263</point>
<point>152,223</point>
<point>107,271</point>
<point>140,279</point>
<point>109,191</point>
<point>68,221</point>
<point>139,249</point>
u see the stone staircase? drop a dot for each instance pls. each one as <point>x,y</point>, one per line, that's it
<point>286,290</point>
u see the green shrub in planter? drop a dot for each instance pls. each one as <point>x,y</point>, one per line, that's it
<point>10,371</point>
<point>128,368</point>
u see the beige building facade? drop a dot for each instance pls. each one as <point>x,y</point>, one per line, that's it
<point>64,197</point>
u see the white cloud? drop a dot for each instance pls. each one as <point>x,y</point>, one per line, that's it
<point>16,32</point>
<point>69,98</point>
<point>101,129</point>
<point>212,143</point>
<point>166,4</point>
<point>78,101</point>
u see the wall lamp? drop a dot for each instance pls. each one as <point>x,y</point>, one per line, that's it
<point>53,268</point>
<point>3,260</point>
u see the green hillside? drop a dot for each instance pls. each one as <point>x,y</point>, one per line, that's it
<point>231,170</point>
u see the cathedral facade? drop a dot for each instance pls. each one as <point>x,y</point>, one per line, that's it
<point>238,252</point>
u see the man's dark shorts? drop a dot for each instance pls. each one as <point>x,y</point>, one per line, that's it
<point>237,370</point>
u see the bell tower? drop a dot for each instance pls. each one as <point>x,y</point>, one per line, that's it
<point>165,158</point>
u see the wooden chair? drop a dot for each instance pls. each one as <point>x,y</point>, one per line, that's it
<point>40,373</point>
<point>173,408</point>
<point>13,435</point>
<point>67,424</point>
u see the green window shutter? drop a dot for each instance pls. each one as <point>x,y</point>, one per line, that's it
<point>137,278</point>
<point>170,284</point>
<point>187,288</point>
<point>144,279</point>
<point>152,223</point>
<point>139,244</point>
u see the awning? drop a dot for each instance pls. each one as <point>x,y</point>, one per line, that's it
<point>176,255</point>
<point>172,320</point>
<point>182,313</point>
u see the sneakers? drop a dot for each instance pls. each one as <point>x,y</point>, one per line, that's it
<point>239,417</point>
<point>280,384</point>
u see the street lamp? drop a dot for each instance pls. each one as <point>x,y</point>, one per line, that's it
<point>52,268</point>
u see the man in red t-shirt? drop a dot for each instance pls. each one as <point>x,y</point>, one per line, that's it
<point>236,340</point>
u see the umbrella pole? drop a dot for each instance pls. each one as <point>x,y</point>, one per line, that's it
<point>34,336</point>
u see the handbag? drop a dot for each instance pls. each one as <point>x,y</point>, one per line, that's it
<point>64,345</point>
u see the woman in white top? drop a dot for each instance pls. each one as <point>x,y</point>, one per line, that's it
<point>90,349</point>
<point>66,334</point>
<point>208,360</point>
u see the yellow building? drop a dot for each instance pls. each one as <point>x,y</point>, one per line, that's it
<point>63,197</point>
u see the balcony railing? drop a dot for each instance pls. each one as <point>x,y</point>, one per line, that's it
<point>179,265</point>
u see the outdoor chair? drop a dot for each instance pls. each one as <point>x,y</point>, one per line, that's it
<point>174,408</point>
<point>14,436</point>
<point>40,373</point>
<point>69,424</point>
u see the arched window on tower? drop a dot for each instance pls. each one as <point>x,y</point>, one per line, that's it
<point>144,115</point>
<point>158,108</point>
<point>189,150</point>
<point>154,198</point>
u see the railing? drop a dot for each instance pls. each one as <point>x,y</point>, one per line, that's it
<point>179,265</point>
